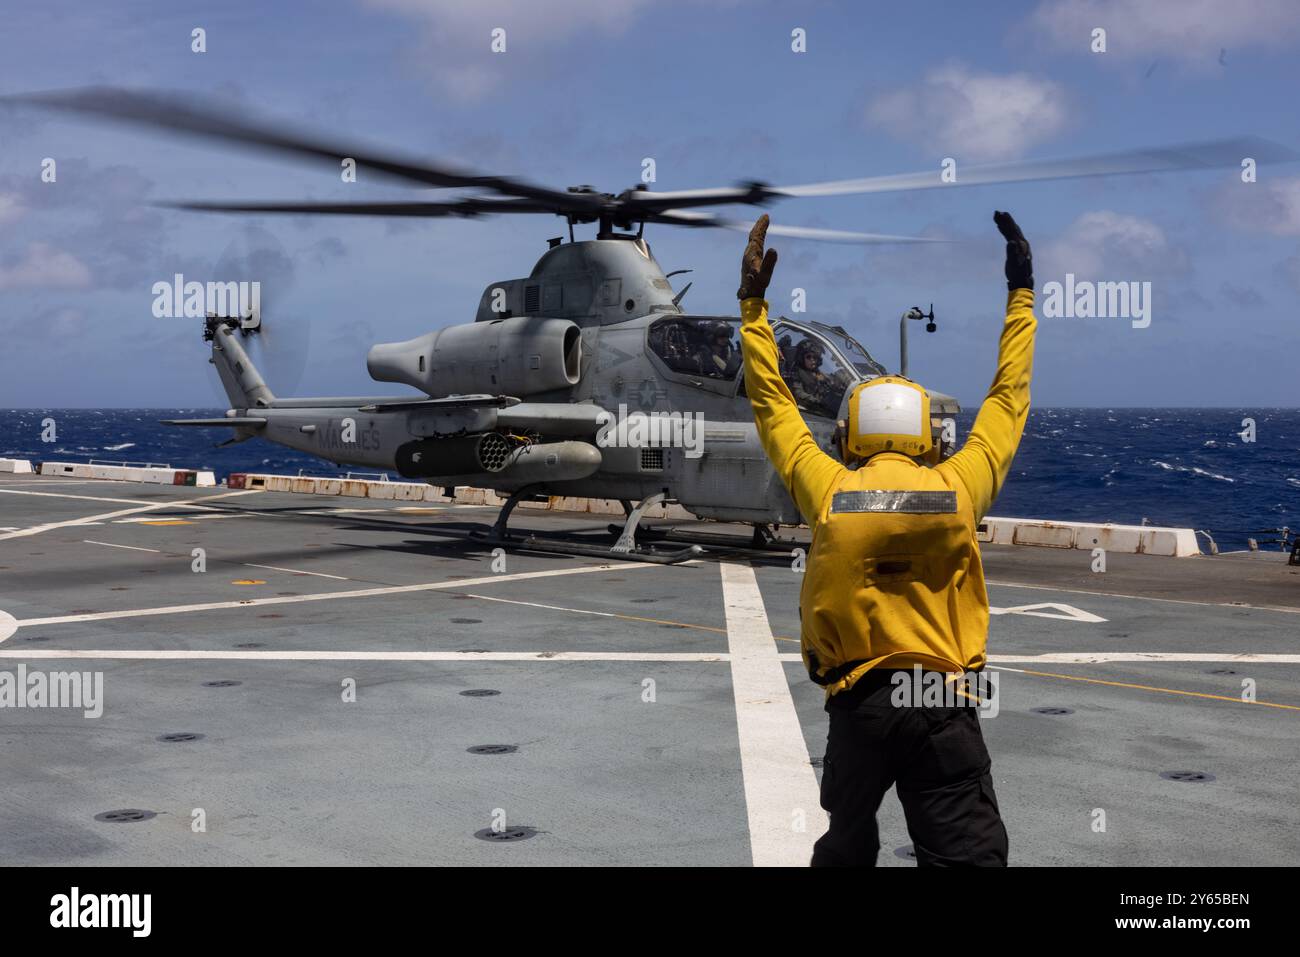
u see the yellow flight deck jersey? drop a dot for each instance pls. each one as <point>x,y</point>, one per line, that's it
<point>886,587</point>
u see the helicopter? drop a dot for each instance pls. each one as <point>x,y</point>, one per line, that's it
<point>585,378</point>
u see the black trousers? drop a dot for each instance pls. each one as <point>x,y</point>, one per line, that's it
<point>936,757</point>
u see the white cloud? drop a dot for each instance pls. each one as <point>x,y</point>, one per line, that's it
<point>973,116</point>
<point>40,328</point>
<point>455,35</point>
<point>62,324</point>
<point>1272,206</point>
<point>1290,270</point>
<point>44,266</point>
<point>550,20</point>
<point>1109,246</point>
<point>1182,29</point>
<point>11,208</point>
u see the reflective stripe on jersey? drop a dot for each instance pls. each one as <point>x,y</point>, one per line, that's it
<point>916,503</point>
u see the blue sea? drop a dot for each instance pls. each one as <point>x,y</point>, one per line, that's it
<point>1182,467</point>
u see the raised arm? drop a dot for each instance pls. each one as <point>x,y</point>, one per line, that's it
<point>984,461</point>
<point>807,472</point>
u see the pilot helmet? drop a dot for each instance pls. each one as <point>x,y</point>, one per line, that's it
<point>719,329</point>
<point>809,347</point>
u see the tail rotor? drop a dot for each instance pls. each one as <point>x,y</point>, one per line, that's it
<point>253,282</point>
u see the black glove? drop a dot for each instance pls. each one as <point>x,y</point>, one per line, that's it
<point>756,268</point>
<point>1020,262</point>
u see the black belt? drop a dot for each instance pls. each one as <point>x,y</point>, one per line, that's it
<point>837,673</point>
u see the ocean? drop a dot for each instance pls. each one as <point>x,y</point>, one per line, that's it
<point>1180,467</point>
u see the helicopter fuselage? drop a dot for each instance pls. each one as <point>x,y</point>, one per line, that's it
<point>584,379</point>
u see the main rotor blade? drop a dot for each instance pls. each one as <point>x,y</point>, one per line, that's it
<point>465,207</point>
<point>681,217</point>
<point>188,117</point>
<point>1214,154</point>
<point>644,199</point>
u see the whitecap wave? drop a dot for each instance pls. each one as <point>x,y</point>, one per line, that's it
<point>1193,471</point>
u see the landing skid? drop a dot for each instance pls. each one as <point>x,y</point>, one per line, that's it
<point>625,549</point>
<point>762,540</point>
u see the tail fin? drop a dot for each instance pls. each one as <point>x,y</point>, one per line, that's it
<point>240,378</point>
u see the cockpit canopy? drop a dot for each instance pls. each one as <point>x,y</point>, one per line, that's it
<point>818,362</point>
<point>697,346</point>
<point>851,349</point>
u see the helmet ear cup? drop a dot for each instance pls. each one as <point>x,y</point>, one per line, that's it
<point>840,438</point>
<point>941,448</point>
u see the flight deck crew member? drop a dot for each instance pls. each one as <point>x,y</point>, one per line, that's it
<point>894,579</point>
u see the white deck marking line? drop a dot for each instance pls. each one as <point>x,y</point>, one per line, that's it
<point>781,791</point>
<point>589,611</point>
<point>386,510</point>
<point>537,604</point>
<point>53,480</point>
<point>1104,657</point>
<point>131,547</point>
<point>153,506</point>
<point>1060,612</point>
<point>324,596</point>
<point>274,568</point>
<point>150,654</point>
<point>37,529</point>
<point>1175,601</point>
<point>192,518</point>
<point>90,498</point>
<point>460,656</point>
<point>297,571</point>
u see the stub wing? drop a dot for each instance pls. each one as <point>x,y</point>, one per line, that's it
<point>446,402</point>
<point>248,422</point>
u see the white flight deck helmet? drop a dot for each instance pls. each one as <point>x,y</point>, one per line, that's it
<point>889,413</point>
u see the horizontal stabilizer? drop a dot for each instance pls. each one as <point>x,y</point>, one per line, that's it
<point>245,421</point>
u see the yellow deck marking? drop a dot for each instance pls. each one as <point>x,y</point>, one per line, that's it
<point>326,596</point>
<point>296,571</point>
<point>599,614</point>
<point>1124,684</point>
<point>1172,601</point>
<point>96,519</point>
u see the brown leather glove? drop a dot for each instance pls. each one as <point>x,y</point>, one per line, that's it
<point>756,268</point>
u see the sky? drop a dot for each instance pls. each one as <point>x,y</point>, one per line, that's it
<point>712,92</point>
